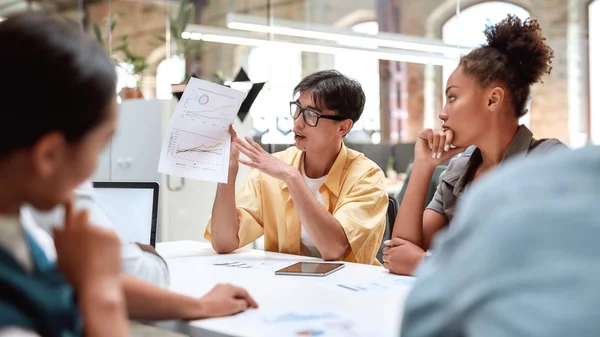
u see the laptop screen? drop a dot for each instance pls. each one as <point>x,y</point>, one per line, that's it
<point>131,207</point>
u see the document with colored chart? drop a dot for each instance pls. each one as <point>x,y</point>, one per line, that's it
<point>311,323</point>
<point>197,143</point>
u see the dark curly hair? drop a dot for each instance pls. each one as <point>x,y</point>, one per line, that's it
<point>515,55</point>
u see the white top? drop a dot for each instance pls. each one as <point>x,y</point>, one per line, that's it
<point>13,241</point>
<point>135,262</point>
<point>313,186</point>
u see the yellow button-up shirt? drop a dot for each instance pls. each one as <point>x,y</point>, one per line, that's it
<point>354,193</point>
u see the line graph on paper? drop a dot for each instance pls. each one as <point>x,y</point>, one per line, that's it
<point>197,144</point>
<point>192,150</point>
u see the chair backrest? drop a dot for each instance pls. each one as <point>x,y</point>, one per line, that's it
<point>392,213</point>
<point>378,153</point>
<point>404,154</point>
<point>435,181</point>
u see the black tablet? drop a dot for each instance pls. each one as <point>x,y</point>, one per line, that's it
<point>310,269</point>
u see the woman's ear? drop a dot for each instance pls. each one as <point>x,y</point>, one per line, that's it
<point>495,98</point>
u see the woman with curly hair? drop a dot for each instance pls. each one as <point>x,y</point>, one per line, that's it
<point>485,97</point>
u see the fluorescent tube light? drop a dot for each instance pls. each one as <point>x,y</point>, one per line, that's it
<point>228,36</point>
<point>341,35</point>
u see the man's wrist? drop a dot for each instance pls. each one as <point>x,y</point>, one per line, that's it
<point>290,175</point>
<point>232,176</point>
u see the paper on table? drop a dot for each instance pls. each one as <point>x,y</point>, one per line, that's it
<point>310,322</point>
<point>379,284</point>
<point>255,260</point>
<point>253,265</point>
<point>197,143</point>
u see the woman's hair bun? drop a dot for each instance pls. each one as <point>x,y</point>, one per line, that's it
<point>525,48</point>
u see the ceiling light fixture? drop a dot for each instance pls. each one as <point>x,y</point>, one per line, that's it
<point>343,36</point>
<point>229,36</point>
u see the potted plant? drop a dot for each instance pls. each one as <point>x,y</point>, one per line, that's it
<point>135,65</point>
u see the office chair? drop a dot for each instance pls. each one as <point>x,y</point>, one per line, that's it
<point>392,212</point>
<point>435,181</point>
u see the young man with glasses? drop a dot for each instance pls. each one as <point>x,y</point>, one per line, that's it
<point>318,198</point>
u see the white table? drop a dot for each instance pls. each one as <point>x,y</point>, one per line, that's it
<point>193,273</point>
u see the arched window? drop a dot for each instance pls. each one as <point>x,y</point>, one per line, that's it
<point>594,56</point>
<point>467,30</point>
<point>366,71</point>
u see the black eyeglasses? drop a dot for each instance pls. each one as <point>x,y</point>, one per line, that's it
<point>310,116</point>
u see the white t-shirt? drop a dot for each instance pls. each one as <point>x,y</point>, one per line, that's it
<point>135,262</point>
<point>313,185</point>
<point>13,241</point>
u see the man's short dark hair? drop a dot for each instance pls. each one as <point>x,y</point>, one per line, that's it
<point>333,91</point>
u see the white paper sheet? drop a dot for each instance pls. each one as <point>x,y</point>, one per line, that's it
<point>254,261</point>
<point>253,265</point>
<point>380,284</point>
<point>197,143</point>
<point>310,322</point>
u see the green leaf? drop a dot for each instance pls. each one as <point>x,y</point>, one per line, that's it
<point>186,17</point>
<point>121,47</point>
<point>113,22</point>
<point>175,34</point>
<point>98,33</point>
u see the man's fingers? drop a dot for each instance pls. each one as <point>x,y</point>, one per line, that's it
<point>254,144</point>
<point>248,163</point>
<point>232,132</point>
<point>245,149</point>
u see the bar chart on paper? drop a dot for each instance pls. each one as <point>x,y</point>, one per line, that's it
<point>197,144</point>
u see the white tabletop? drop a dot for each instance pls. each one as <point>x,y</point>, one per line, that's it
<point>193,272</point>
